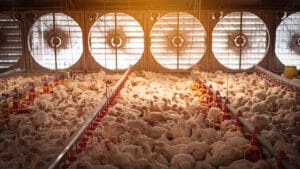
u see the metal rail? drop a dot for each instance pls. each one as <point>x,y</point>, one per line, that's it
<point>247,125</point>
<point>26,89</point>
<point>10,72</point>
<point>61,157</point>
<point>264,142</point>
<point>275,77</point>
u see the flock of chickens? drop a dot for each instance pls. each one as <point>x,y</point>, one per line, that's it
<point>156,122</point>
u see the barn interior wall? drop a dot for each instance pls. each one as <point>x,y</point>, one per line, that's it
<point>85,19</point>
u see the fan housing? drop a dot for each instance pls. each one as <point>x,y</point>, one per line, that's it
<point>116,41</point>
<point>240,40</point>
<point>288,40</point>
<point>55,41</point>
<point>178,40</point>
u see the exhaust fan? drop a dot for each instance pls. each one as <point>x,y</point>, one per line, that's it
<point>10,42</point>
<point>178,40</point>
<point>55,41</point>
<point>116,40</point>
<point>288,40</point>
<point>240,40</point>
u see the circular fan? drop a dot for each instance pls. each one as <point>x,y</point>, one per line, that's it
<point>240,40</point>
<point>288,40</point>
<point>55,41</point>
<point>178,40</point>
<point>10,42</point>
<point>116,40</point>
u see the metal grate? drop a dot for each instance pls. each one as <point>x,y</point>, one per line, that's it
<point>10,42</point>
<point>240,40</point>
<point>116,40</point>
<point>288,40</point>
<point>55,41</point>
<point>178,40</point>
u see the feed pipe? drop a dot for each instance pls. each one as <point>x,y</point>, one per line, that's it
<point>277,78</point>
<point>264,142</point>
<point>10,72</point>
<point>99,111</point>
<point>26,89</point>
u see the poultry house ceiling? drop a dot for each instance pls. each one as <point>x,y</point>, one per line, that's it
<point>7,5</point>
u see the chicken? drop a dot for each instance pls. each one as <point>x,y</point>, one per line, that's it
<point>155,132</point>
<point>180,140</point>
<point>43,102</point>
<point>154,117</point>
<point>113,130</point>
<point>158,160</point>
<point>118,158</point>
<point>208,135</point>
<point>260,164</point>
<point>239,164</point>
<point>170,151</point>
<point>260,121</point>
<point>203,165</point>
<point>141,125</point>
<point>182,161</point>
<point>260,94</point>
<point>144,163</point>
<point>223,154</point>
<point>59,133</point>
<point>182,129</point>
<point>214,114</point>
<point>107,166</point>
<point>198,150</point>
<point>135,151</point>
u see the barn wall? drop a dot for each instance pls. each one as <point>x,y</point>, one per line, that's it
<point>147,62</point>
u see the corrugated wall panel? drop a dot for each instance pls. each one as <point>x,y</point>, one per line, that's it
<point>10,42</point>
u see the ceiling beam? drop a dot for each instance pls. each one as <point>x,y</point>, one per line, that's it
<point>8,5</point>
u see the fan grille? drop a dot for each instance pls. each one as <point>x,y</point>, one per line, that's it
<point>288,40</point>
<point>178,40</point>
<point>240,40</point>
<point>56,41</point>
<point>116,40</point>
<point>10,42</point>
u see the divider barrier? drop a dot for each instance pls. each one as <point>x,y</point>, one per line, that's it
<point>11,72</point>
